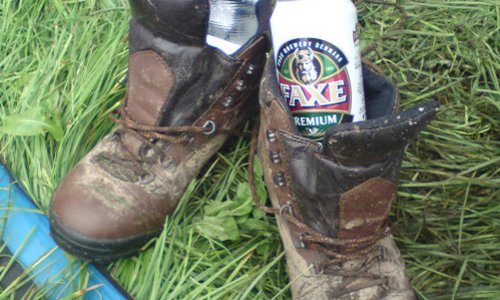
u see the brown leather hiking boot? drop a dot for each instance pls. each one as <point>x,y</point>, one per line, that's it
<point>332,199</point>
<point>183,99</point>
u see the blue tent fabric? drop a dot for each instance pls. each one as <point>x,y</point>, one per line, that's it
<point>25,232</point>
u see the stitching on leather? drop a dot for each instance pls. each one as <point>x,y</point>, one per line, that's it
<point>158,58</point>
<point>371,180</point>
<point>360,188</point>
<point>298,140</point>
<point>227,58</point>
<point>155,56</point>
<point>236,107</point>
<point>246,95</point>
<point>250,47</point>
<point>236,59</point>
<point>286,164</point>
<point>215,103</point>
<point>237,75</point>
<point>284,157</point>
<point>287,190</point>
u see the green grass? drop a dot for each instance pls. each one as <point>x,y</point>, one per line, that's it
<point>63,66</point>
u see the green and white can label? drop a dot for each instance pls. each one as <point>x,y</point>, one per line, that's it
<point>315,83</point>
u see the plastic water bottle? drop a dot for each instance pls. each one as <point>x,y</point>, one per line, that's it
<point>231,24</point>
<point>316,50</point>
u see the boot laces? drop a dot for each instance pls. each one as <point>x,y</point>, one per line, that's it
<point>147,133</point>
<point>365,255</point>
<point>154,139</point>
<point>370,252</point>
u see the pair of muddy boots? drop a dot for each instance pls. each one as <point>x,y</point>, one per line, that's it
<point>331,199</point>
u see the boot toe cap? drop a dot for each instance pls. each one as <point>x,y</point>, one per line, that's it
<point>89,207</point>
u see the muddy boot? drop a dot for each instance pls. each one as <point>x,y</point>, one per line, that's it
<point>183,100</point>
<point>332,198</point>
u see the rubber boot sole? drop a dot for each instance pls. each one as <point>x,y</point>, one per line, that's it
<point>100,251</point>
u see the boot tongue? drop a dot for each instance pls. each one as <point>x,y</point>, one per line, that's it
<point>364,143</point>
<point>149,83</point>
<point>359,169</point>
<point>354,154</point>
<point>376,140</point>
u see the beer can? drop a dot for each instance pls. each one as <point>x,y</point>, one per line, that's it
<point>317,57</point>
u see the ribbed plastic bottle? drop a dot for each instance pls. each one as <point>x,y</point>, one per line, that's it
<point>231,24</point>
<point>317,56</point>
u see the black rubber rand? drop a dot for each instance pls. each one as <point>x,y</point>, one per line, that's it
<point>98,251</point>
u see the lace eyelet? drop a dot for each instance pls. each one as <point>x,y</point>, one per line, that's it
<point>162,159</point>
<point>228,102</point>
<point>317,269</point>
<point>320,146</point>
<point>144,151</point>
<point>302,244</point>
<point>209,127</point>
<point>115,135</point>
<point>147,178</point>
<point>241,85</point>
<point>383,253</point>
<point>279,179</point>
<point>275,157</point>
<point>271,136</point>
<point>286,208</point>
<point>251,69</point>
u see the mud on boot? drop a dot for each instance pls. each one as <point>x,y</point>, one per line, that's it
<point>332,198</point>
<point>183,99</point>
